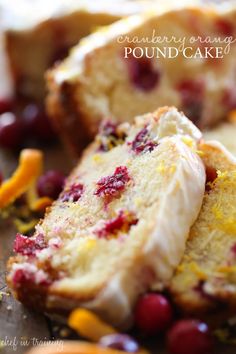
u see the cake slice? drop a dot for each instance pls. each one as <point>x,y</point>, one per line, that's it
<point>140,63</point>
<point>120,226</point>
<point>205,280</point>
<point>36,36</point>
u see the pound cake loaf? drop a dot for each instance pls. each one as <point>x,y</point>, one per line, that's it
<point>183,57</point>
<point>205,280</point>
<point>120,226</point>
<point>38,34</point>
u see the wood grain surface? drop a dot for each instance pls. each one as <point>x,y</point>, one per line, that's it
<point>21,328</point>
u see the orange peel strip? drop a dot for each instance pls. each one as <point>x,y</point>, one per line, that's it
<point>76,347</point>
<point>30,167</point>
<point>41,204</point>
<point>35,203</point>
<point>89,325</point>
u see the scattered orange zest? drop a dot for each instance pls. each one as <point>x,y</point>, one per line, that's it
<point>232,116</point>
<point>30,167</point>
<point>77,347</point>
<point>89,325</point>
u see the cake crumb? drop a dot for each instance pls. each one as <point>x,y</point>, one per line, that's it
<point>65,332</point>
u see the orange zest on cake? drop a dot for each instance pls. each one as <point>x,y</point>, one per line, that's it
<point>205,279</point>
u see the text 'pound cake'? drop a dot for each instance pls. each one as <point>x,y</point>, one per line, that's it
<point>120,226</point>
<point>206,278</point>
<point>137,64</point>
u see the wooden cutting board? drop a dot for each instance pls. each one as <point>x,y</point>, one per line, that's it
<point>21,328</point>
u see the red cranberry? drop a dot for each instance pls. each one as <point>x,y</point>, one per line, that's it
<point>191,93</point>
<point>224,27</point>
<point>11,131</point>
<point>121,222</point>
<point>211,175</point>
<point>153,313</point>
<point>26,276</point>
<point>109,136</point>
<point>73,194</point>
<point>6,105</point>
<point>22,276</point>
<point>142,143</point>
<point>28,246</point>
<point>50,184</point>
<point>142,73</point>
<point>189,337</point>
<point>121,342</point>
<point>112,186</point>
<point>37,123</point>
<point>233,249</point>
<point>191,88</point>
<point>108,128</point>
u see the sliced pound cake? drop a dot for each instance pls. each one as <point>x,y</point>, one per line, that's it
<point>169,57</point>
<point>206,278</point>
<point>37,36</point>
<point>120,226</point>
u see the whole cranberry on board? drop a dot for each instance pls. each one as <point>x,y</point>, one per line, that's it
<point>6,104</point>
<point>120,342</point>
<point>189,336</point>
<point>153,313</point>
<point>11,131</point>
<point>37,123</point>
<point>50,184</point>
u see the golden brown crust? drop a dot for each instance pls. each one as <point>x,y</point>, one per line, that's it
<point>65,116</point>
<point>37,296</point>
